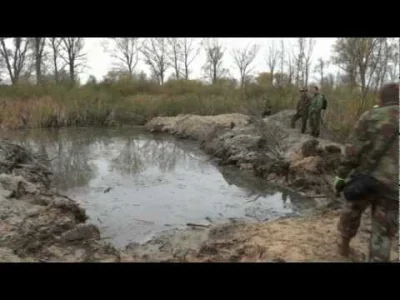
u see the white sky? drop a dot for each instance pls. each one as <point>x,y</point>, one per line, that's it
<point>99,62</point>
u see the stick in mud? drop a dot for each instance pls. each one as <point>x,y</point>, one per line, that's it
<point>143,221</point>
<point>255,199</point>
<point>197,225</point>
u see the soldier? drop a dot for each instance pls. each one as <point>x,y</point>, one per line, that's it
<point>314,112</point>
<point>302,110</point>
<point>371,155</point>
<point>267,108</point>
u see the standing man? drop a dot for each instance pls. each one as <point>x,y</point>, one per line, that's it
<point>372,157</point>
<point>302,110</point>
<point>314,112</point>
<point>267,108</point>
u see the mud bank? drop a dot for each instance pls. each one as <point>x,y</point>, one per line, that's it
<point>36,223</point>
<point>281,155</point>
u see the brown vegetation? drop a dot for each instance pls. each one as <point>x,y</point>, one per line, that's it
<point>46,92</point>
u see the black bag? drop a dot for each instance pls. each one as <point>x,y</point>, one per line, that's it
<point>324,102</point>
<point>362,185</point>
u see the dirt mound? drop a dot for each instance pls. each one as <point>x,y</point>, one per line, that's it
<point>36,223</point>
<point>193,126</point>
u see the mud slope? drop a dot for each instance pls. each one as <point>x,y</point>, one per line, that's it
<point>37,224</point>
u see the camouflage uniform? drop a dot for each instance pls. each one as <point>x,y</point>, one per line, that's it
<point>267,108</point>
<point>314,113</point>
<point>370,136</point>
<point>301,112</point>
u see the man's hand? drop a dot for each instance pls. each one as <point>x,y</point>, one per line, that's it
<point>339,184</point>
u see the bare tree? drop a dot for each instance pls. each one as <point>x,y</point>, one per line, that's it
<point>175,55</point>
<point>383,60</point>
<point>291,68</point>
<point>214,55</point>
<point>393,67</point>
<point>125,52</point>
<point>38,45</point>
<point>14,58</point>
<point>55,44</point>
<point>271,58</point>
<point>189,54</point>
<point>345,58</point>
<point>73,55</point>
<point>310,43</point>
<point>359,57</point>
<point>155,52</point>
<point>320,69</point>
<point>299,58</point>
<point>243,58</point>
<point>282,56</point>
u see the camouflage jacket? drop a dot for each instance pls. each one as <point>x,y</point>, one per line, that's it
<point>303,104</point>
<point>316,103</point>
<point>368,139</point>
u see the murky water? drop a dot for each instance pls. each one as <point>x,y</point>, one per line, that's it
<point>135,185</point>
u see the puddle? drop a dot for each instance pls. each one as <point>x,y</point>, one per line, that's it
<point>135,185</point>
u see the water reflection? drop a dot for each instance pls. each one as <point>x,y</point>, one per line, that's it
<point>153,182</point>
<point>138,154</point>
<point>71,153</point>
<point>68,158</point>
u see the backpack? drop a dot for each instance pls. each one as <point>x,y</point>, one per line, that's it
<point>324,102</point>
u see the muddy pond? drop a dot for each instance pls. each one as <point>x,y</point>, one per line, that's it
<point>135,185</point>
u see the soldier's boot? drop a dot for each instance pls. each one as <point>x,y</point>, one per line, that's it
<point>343,244</point>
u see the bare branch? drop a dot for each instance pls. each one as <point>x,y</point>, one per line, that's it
<point>271,58</point>
<point>155,52</point>
<point>39,55</point>
<point>189,54</point>
<point>72,55</point>
<point>175,55</point>
<point>243,58</point>
<point>310,43</point>
<point>125,53</point>
<point>14,58</point>
<point>214,55</point>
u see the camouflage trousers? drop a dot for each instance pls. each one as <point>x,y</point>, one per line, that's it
<point>315,122</point>
<point>304,117</point>
<point>384,223</point>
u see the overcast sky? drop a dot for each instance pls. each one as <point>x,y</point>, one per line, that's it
<point>100,62</point>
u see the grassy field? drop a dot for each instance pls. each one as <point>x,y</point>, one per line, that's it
<point>135,102</point>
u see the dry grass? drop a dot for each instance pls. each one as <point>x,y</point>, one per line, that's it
<point>139,101</point>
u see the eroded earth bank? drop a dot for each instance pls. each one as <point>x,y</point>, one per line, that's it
<point>38,224</point>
